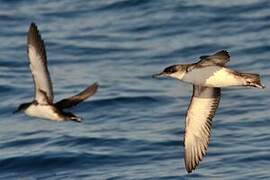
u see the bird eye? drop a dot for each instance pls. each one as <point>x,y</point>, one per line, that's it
<point>170,69</point>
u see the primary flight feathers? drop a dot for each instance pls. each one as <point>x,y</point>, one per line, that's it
<point>76,99</point>
<point>220,58</point>
<point>38,64</point>
<point>42,106</point>
<point>202,108</point>
<point>208,76</point>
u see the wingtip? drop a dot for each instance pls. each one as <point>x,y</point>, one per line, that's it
<point>90,90</point>
<point>262,86</point>
<point>95,84</point>
<point>224,52</point>
<point>189,168</point>
<point>33,25</point>
<point>189,171</point>
<point>93,87</point>
<point>33,34</point>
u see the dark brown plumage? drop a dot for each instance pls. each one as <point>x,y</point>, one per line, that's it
<point>74,100</point>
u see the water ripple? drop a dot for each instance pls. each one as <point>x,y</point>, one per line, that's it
<point>133,127</point>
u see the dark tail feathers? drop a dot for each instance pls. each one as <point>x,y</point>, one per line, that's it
<point>252,80</point>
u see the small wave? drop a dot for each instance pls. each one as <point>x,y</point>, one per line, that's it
<point>23,142</point>
<point>123,5</point>
<point>125,100</point>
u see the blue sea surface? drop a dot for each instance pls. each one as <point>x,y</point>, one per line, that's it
<point>133,126</point>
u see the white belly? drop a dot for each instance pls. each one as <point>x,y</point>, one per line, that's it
<point>44,112</point>
<point>213,76</point>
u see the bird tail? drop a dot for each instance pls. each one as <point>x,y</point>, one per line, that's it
<point>253,80</point>
<point>72,117</point>
<point>76,119</point>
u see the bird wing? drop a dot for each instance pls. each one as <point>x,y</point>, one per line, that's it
<point>202,108</point>
<point>74,100</point>
<point>38,65</point>
<point>219,58</point>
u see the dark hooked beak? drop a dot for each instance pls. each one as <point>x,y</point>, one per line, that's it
<point>16,111</point>
<point>159,75</point>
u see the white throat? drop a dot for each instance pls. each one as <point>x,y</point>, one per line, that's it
<point>178,75</point>
<point>43,111</point>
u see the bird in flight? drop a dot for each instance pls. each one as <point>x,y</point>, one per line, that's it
<point>208,76</point>
<point>42,106</point>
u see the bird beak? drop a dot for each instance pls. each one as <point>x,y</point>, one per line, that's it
<point>159,75</point>
<point>16,111</point>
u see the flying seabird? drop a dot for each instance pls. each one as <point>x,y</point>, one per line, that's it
<point>208,76</point>
<point>42,105</point>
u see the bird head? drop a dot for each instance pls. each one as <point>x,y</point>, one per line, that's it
<point>22,107</point>
<point>175,71</point>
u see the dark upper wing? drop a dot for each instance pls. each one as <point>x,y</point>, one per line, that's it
<point>74,100</point>
<point>38,64</point>
<point>220,58</point>
<point>202,108</point>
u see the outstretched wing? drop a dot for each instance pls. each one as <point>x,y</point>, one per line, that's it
<point>202,108</point>
<point>220,58</point>
<point>74,100</point>
<point>38,65</point>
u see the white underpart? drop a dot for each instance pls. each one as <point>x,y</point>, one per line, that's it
<point>213,76</point>
<point>44,112</point>
<point>178,75</point>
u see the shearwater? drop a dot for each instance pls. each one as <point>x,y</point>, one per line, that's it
<point>42,105</point>
<point>208,76</point>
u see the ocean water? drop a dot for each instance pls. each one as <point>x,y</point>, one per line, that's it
<point>133,126</point>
